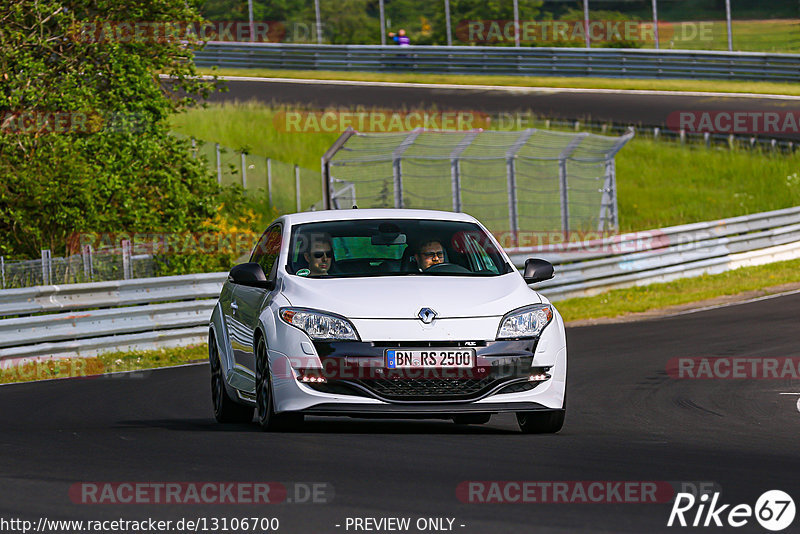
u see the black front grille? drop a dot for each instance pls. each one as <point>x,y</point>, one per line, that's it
<point>422,344</point>
<point>429,388</point>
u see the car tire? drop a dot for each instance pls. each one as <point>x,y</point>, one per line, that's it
<point>226,410</point>
<point>548,422</point>
<point>268,420</point>
<point>472,418</point>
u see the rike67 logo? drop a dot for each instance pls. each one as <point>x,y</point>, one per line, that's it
<point>774,510</point>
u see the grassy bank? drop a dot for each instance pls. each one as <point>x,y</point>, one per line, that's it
<point>109,365</point>
<point>661,183</point>
<point>619,302</point>
<point>779,36</point>
<point>717,86</point>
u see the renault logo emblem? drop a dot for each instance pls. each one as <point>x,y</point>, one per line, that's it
<point>427,315</point>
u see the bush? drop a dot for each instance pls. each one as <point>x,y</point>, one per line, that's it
<point>110,164</point>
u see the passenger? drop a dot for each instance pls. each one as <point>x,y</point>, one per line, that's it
<point>319,255</point>
<point>429,253</point>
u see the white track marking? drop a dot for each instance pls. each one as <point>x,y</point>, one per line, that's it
<point>507,88</point>
<point>737,303</point>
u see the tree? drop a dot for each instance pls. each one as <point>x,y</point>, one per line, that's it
<point>84,140</point>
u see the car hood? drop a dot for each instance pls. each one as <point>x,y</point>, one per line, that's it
<point>402,297</point>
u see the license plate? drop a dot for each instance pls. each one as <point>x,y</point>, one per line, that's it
<point>435,358</point>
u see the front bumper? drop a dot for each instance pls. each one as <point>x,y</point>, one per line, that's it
<point>505,389</point>
<point>423,411</point>
<point>358,369</point>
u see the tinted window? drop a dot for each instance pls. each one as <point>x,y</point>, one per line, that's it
<point>391,247</point>
<point>268,249</point>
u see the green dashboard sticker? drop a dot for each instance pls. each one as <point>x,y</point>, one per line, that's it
<point>303,272</point>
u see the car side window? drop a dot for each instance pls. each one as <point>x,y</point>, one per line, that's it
<point>268,249</point>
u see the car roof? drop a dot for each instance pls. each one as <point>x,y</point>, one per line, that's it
<point>374,213</point>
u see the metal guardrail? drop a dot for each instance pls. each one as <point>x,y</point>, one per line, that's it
<point>589,268</point>
<point>147,313</point>
<point>52,298</point>
<point>527,61</point>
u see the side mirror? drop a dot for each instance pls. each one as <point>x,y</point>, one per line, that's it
<point>250,274</point>
<point>537,270</point>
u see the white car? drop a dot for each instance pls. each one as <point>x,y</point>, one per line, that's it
<point>386,313</point>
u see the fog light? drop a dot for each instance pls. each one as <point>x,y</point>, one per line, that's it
<point>539,377</point>
<point>311,379</point>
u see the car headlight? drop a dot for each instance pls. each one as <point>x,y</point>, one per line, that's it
<point>319,326</point>
<point>526,322</point>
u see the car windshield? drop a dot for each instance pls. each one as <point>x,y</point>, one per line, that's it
<point>393,247</point>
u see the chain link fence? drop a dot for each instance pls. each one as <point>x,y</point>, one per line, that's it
<point>285,186</point>
<point>120,263</point>
<point>529,180</point>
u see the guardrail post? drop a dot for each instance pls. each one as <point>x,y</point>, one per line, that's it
<point>88,268</point>
<point>47,267</point>
<point>297,185</point>
<point>219,165</point>
<point>269,181</point>
<point>656,133</point>
<point>127,271</point>
<point>3,270</point>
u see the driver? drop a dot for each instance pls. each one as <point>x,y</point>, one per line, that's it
<point>319,255</point>
<point>429,253</point>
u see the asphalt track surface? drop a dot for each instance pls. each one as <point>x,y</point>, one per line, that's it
<point>627,421</point>
<point>618,107</point>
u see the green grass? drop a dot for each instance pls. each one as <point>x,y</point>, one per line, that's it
<point>721,86</point>
<point>781,36</point>
<point>619,302</point>
<point>112,362</point>
<point>251,126</point>
<point>661,183</point>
